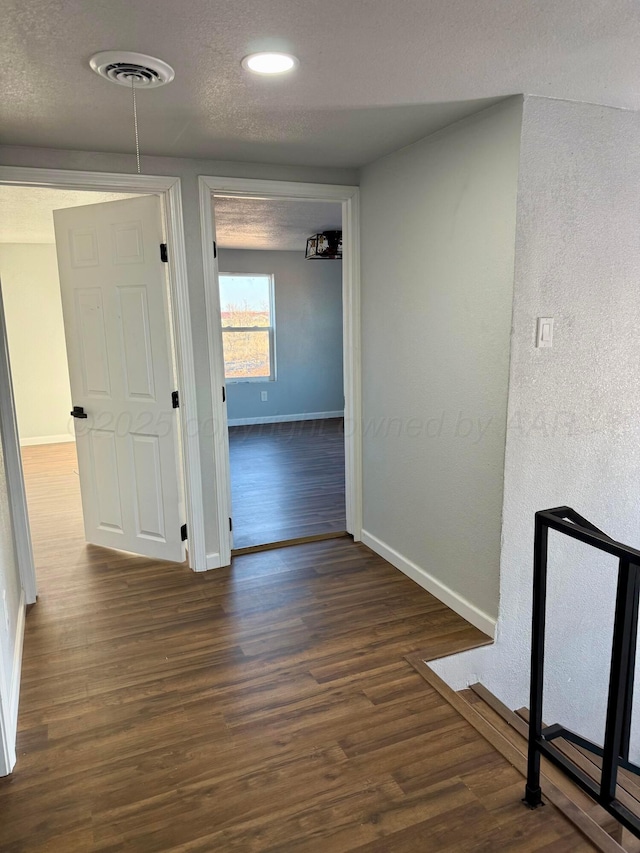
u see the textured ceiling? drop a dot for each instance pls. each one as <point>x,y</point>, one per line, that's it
<point>26,212</point>
<point>26,217</point>
<point>373,75</point>
<point>243,223</point>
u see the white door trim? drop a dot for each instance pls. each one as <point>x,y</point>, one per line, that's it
<point>13,468</point>
<point>216,371</point>
<point>349,197</point>
<point>170,190</point>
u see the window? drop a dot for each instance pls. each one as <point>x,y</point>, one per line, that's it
<point>246,306</point>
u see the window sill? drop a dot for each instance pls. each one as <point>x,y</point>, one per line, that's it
<point>252,380</point>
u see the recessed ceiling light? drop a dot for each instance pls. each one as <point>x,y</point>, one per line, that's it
<point>269,63</point>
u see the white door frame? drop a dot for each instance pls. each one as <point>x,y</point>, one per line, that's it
<point>349,198</point>
<point>10,681</point>
<point>170,190</point>
<point>13,467</point>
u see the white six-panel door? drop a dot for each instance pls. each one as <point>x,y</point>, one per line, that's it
<point>116,318</point>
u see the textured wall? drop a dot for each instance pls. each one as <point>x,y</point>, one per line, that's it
<point>574,434</point>
<point>188,171</point>
<point>308,310</point>
<point>33,312</point>
<point>438,231</point>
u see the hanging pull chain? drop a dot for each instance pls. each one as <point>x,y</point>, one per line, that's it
<point>135,121</point>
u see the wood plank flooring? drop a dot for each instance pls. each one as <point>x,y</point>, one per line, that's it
<point>265,707</point>
<point>287,480</point>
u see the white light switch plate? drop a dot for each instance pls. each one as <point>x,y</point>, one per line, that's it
<point>263,396</point>
<point>544,334</point>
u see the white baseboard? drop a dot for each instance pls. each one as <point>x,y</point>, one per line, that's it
<point>213,561</point>
<point>454,600</point>
<point>17,665</point>
<point>281,419</point>
<point>47,439</point>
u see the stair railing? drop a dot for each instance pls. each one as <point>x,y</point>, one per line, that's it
<point>615,752</point>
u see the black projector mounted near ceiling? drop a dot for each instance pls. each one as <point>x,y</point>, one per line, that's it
<point>325,246</point>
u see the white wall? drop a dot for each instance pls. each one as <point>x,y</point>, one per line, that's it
<point>574,430</point>
<point>438,230</point>
<point>308,314</point>
<point>188,172</point>
<point>33,312</point>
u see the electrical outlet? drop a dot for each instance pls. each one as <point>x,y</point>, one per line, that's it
<point>264,396</point>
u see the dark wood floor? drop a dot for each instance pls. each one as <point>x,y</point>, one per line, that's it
<point>266,707</point>
<point>287,480</point>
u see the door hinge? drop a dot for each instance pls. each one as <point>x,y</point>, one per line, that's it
<point>164,253</point>
<point>215,250</point>
<point>183,532</point>
<point>224,394</point>
<point>175,399</point>
<point>230,524</point>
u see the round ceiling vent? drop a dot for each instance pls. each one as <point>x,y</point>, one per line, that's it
<point>127,68</point>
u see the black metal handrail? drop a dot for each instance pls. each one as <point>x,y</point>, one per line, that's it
<point>615,752</point>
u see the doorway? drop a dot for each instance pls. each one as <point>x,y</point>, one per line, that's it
<point>254,191</point>
<point>281,321</point>
<point>168,189</point>
<point>86,311</point>
<point>35,337</point>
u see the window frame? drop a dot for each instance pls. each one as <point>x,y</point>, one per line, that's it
<point>271,328</point>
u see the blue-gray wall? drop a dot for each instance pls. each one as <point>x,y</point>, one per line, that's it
<point>308,309</point>
<point>436,327</point>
